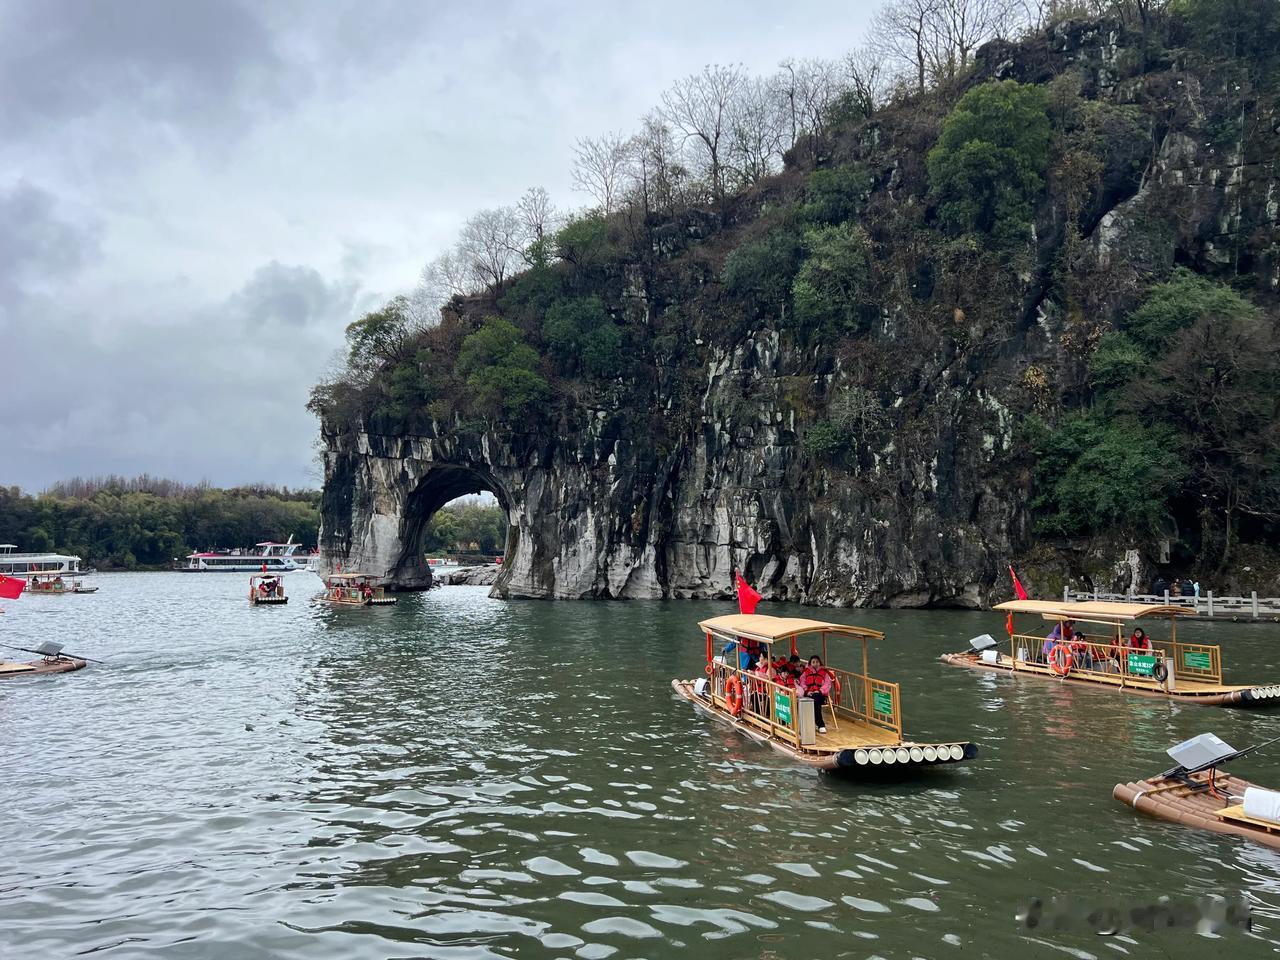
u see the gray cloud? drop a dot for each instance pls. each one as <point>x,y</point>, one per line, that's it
<point>178,62</point>
<point>216,391</point>
<point>196,196</point>
<point>38,245</point>
<point>278,295</point>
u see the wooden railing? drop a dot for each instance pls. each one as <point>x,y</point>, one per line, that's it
<point>868,699</point>
<point>1189,661</point>
<point>767,705</point>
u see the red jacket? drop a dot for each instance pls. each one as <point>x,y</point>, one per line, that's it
<point>815,680</point>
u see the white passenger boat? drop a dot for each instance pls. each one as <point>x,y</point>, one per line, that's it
<point>15,564</point>
<point>268,557</point>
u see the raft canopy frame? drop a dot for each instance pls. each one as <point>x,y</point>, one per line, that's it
<point>856,698</point>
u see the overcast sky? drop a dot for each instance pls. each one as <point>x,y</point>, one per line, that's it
<point>196,196</point>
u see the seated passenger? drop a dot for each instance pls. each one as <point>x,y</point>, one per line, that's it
<point>1061,630</point>
<point>1082,651</point>
<point>815,683</point>
<point>1139,640</point>
<point>760,693</point>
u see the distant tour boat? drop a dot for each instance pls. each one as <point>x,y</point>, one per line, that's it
<point>266,590</point>
<point>1108,660</point>
<point>24,564</point>
<point>270,557</point>
<point>865,713</point>
<point>354,590</point>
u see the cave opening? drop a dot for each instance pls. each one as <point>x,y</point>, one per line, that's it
<point>456,513</point>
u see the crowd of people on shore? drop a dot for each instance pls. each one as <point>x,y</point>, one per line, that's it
<point>1175,587</point>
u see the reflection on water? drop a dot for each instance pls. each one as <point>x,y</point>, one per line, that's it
<point>458,777</point>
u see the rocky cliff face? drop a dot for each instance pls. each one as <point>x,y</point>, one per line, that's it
<point>932,504</point>
<point>599,515</point>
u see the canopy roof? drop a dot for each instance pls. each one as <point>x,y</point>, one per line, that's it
<point>352,576</point>
<point>1110,611</point>
<point>772,629</point>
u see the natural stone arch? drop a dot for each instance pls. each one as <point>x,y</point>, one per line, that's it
<point>436,487</point>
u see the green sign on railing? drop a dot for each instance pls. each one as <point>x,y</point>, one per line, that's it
<point>782,707</point>
<point>1141,664</point>
<point>882,702</point>
<point>1197,660</point>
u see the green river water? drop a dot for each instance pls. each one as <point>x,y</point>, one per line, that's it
<point>460,777</point>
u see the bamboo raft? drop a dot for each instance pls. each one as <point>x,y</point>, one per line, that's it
<point>35,668</point>
<point>266,590</point>
<point>1205,797</point>
<point>1192,672</point>
<point>354,590</point>
<point>865,734</point>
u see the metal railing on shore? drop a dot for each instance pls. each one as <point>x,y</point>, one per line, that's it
<point>1252,607</point>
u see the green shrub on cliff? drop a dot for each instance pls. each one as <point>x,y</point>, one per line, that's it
<point>583,337</point>
<point>834,194</point>
<point>1180,302</point>
<point>584,241</point>
<point>1247,30</point>
<point>832,288</point>
<point>763,270</point>
<point>1094,474</point>
<point>501,371</point>
<point>989,163</point>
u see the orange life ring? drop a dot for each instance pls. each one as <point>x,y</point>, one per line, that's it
<point>733,694</point>
<point>1060,665</point>
<point>708,670</point>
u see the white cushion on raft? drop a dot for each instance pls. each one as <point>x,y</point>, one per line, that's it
<point>1262,804</point>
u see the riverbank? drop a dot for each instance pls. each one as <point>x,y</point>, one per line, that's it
<point>482,576</point>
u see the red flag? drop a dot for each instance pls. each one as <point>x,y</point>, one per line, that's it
<point>747,597</point>
<point>11,587</point>
<point>264,566</point>
<point>1019,592</point>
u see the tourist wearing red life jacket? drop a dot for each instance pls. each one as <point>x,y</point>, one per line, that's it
<point>1139,640</point>
<point>762,672</point>
<point>815,683</point>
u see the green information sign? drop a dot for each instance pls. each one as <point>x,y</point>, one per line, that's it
<point>882,702</point>
<point>1196,660</point>
<point>1141,664</point>
<point>782,707</point>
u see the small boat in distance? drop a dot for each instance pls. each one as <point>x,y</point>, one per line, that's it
<point>866,714</point>
<point>52,660</point>
<point>269,557</point>
<point>1195,793</point>
<point>266,590</point>
<point>1108,660</point>
<point>54,584</point>
<point>24,564</point>
<point>354,590</point>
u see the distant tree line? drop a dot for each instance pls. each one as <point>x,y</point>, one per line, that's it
<point>463,527</point>
<point>131,523</point>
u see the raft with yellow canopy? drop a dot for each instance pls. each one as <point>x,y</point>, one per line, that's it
<point>1103,656</point>
<point>355,590</point>
<point>863,716</point>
